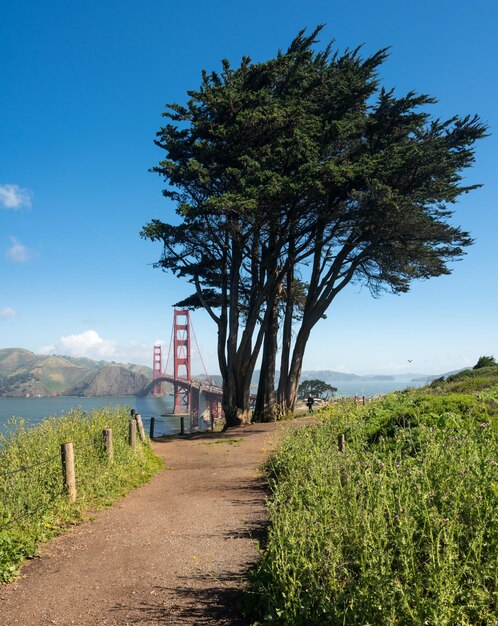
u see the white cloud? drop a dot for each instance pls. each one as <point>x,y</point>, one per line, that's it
<point>88,344</point>
<point>7,313</point>
<point>17,252</point>
<point>13,197</point>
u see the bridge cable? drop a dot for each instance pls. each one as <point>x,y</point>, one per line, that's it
<point>198,350</point>
<point>165,370</point>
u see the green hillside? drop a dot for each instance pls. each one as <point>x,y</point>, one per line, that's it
<point>399,528</point>
<point>12,359</point>
<point>23,373</point>
<point>467,380</point>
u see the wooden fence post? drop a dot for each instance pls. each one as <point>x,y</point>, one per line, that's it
<point>67,457</point>
<point>341,442</point>
<point>108,446</point>
<point>364,400</point>
<point>132,433</point>
<point>151,429</point>
<point>140,425</point>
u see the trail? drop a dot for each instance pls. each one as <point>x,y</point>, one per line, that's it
<point>175,551</point>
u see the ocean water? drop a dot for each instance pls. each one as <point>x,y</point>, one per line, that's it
<point>34,410</point>
<point>372,388</point>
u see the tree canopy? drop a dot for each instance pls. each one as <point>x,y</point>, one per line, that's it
<point>316,388</point>
<point>484,361</point>
<point>293,178</point>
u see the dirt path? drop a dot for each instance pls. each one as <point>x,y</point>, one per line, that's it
<point>174,551</point>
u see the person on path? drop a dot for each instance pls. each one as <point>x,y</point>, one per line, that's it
<point>310,402</point>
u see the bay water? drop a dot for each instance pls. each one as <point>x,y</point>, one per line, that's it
<point>34,410</point>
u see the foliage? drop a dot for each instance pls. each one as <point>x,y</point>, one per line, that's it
<point>316,388</point>
<point>467,380</point>
<point>303,165</point>
<point>33,507</point>
<point>485,361</point>
<point>401,529</point>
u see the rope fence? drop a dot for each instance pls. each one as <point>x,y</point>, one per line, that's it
<point>73,465</point>
<point>30,513</point>
<point>26,468</point>
<point>53,485</point>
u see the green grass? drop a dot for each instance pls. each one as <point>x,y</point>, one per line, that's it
<point>468,380</point>
<point>401,529</point>
<point>230,442</point>
<point>33,507</point>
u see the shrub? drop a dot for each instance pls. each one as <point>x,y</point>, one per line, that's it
<point>33,506</point>
<point>484,361</point>
<point>402,529</point>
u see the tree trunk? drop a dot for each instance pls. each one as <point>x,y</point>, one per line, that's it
<point>237,398</point>
<point>286,342</point>
<point>296,367</point>
<point>229,401</point>
<point>265,401</point>
<point>230,396</point>
<point>243,387</point>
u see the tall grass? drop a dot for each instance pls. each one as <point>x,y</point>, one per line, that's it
<point>402,529</point>
<point>33,506</point>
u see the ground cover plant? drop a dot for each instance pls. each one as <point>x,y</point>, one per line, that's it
<point>401,528</point>
<point>230,442</point>
<point>33,505</point>
<point>468,380</point>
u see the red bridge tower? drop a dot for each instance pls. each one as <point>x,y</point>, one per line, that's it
<point>181,359</point>
<point>157,371</point>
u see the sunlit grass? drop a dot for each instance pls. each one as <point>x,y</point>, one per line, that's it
<point>33,506</point>
<point>401,529</point>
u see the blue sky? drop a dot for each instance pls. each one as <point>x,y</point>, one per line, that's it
<point>83,86</point>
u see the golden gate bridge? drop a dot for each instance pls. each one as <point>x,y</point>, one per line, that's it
<point>192,397</point>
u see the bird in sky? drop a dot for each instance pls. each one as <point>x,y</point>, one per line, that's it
<point>409,361</point>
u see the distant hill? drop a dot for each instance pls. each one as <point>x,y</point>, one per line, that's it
<point>23,373</point>
<point>428,378</point>
<point>329,376</point>
<point>210,379</point>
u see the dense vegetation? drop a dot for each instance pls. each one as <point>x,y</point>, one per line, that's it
<point>401,528</point>
<point>292,179</point>
<point>33,506</point>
